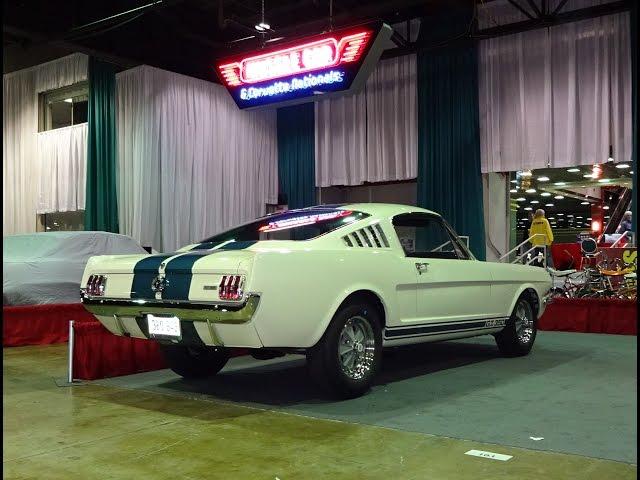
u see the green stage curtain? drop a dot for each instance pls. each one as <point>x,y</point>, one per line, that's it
<point>101,211</point>
<point>449,177</point>
<point>296,154</point>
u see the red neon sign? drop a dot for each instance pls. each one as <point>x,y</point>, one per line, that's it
<point>308,57</point>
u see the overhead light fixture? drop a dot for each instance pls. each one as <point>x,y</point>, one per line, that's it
<point>514,190</point>
<point>68,100</point>
<point>543,179</point>
<point>545,194</point>
<point>558,197</point>
<point>548,204</point>
<point>530,190</point>
<point>610,159</point>
<point>588,175</point>
<point>534,201</point>
<point>604,180</point>
<point>573,170</point>
<point>263,26</point>
<point>560,184</point>
<point>514,181</point>
<point>528,208</point>
<point>520,199</point>
<point>560,214</point>
<point>622,165</point>
<point>606,207</point>
<point>585,203</point>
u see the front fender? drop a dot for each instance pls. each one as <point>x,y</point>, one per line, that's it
<point>540,292</point>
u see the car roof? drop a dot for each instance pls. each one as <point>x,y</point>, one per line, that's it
<point>385,209</point>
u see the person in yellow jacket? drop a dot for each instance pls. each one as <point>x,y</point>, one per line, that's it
<point>543,235</point>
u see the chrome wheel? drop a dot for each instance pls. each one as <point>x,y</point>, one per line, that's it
<point>356,348</point>
<point>524,322</point>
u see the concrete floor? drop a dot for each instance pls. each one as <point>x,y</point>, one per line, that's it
<point>155,425</point>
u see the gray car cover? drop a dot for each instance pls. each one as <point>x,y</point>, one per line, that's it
<point>42,268</point>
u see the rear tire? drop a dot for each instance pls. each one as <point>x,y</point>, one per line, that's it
<point>345,361</point>
<point>195,362</point>
<point>518,336</point>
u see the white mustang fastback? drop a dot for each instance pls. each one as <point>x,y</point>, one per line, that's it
<point>334,282</point>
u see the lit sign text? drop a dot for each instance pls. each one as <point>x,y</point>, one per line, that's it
<point>279,88</point>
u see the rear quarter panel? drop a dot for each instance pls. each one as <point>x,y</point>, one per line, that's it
<point>302,289</point>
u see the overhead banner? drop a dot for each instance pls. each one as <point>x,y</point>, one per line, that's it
<point>330,64</point>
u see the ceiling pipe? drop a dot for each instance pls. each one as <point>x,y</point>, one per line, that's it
<point>35,38</point>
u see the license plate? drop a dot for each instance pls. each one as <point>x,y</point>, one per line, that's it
<point>163,326</point>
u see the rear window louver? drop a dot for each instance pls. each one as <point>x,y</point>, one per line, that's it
<point>371,236</point>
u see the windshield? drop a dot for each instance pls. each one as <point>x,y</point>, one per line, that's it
<point>291,225</point>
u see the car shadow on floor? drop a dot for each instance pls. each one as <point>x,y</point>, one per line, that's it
<point>287,383</point>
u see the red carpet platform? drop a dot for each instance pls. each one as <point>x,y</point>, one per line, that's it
<point>97,353</point>
<point>40,324</point>
<point>591,315</point>
<point>100,354</point>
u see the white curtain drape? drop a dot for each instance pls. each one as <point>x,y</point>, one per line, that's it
<point>62,158</point>
<point>370,136</point>
<point>190,163</point>
<point>21,161</point>
<point>555,97</point>
<point>19,166</point>
<point>496,214</point>
<point>61,72</point>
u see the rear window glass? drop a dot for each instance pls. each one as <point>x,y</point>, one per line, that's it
<point>292,225</point>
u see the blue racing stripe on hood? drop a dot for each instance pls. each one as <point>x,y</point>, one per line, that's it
<point>229,246</point>
<point>238,245</point>
<point>143,274</point>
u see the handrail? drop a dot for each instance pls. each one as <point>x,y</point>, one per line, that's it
<point>624,235</point>
<point>544,257</point>
<point>521,244</point>
<point>440,247</point>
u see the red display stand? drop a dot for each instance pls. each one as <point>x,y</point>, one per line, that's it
<point>40,324</point>
<point>591,315</point>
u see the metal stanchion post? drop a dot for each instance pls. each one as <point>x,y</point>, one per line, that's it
<point>68,382</point>
<point>70,377</point>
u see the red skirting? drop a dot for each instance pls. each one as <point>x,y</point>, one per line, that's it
<point>98,353</point>
<point>591,315</point>
<point>40,324</point>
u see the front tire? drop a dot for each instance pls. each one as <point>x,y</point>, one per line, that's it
<point>195,362</point>
<point>518,336</point>
<point>347,358</point>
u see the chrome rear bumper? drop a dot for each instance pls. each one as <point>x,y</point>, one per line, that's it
<point>185,310</point>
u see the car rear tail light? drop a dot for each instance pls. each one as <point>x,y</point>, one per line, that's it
<point>231,287</point>
<point>96,285</point>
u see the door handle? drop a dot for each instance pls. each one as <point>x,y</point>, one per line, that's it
<point>421,267</point>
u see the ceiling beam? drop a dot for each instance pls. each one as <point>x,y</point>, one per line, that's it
<point>32,39</point>
<point>557,19</point>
